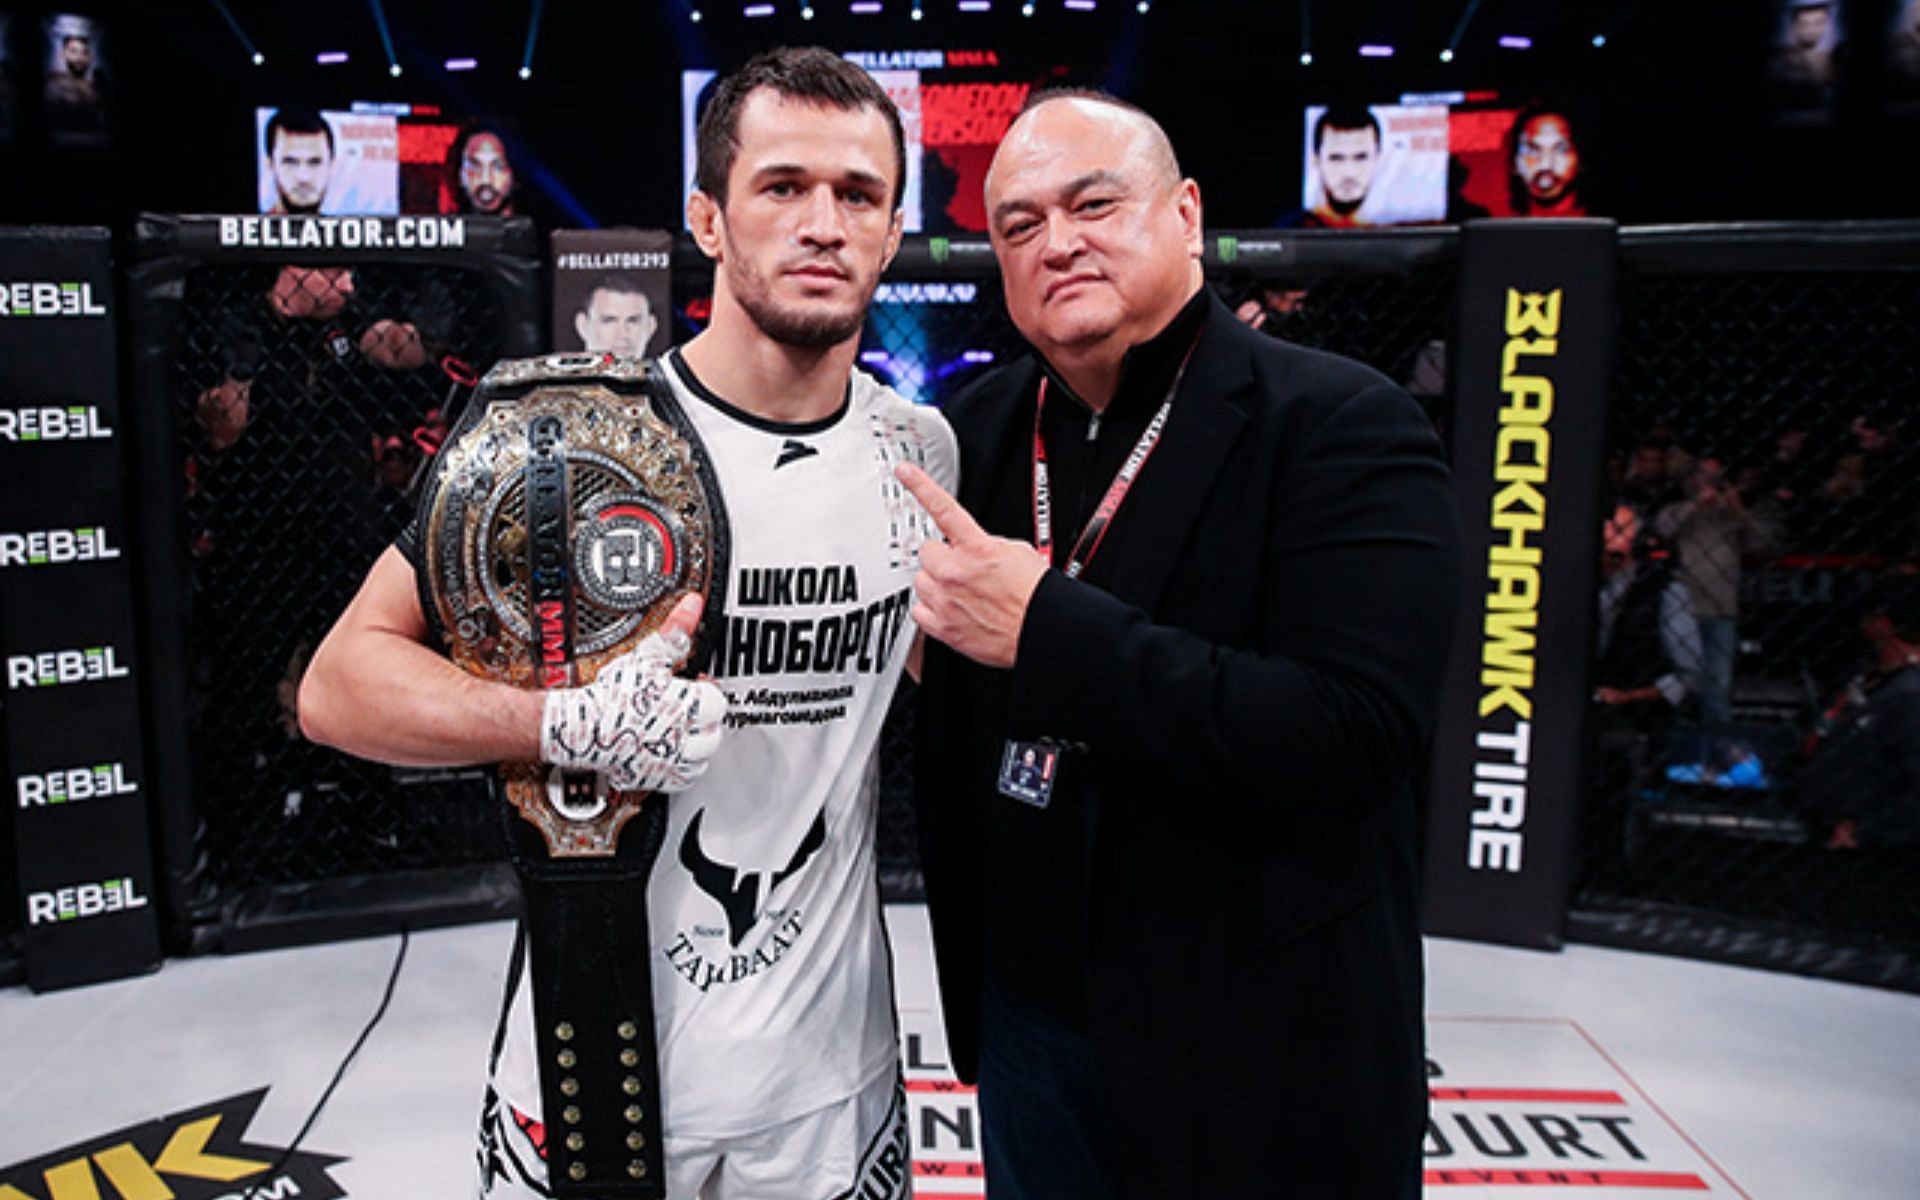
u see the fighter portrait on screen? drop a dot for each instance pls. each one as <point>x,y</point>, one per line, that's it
<point>617,316</point>
<point>76,89</point>
<point>1803,67</point>
<point>1346,150</point>
<point>482,172</point>
<point>1372,164</point>
<point>299,143</point>
<point>1548,175</point>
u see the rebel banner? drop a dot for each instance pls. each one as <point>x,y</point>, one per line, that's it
<point>74,760</point>
<point>1532,360</point>
<point>612,291</point>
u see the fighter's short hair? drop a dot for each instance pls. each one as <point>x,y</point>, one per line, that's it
<point>298,119</point>
<point>805,73</point>
<point>1351,117</point>
<point>618,282</point>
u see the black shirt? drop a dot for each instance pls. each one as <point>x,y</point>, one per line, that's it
<point>1033,888</point>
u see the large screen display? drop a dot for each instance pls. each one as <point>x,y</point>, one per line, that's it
<point>1448,156</point>
<point>954,105</point>
<point>380,159</point>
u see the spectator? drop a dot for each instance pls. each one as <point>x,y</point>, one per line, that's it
<point>1861,513</point>
<point>1712,531</point>
<point>1648,657</point>
<point>1862,778</point>
<point>1269,307</point>
<point>1790,476</point>
<point>1647,486</point>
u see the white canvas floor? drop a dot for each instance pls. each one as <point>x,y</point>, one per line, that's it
<point>1584,1074</point>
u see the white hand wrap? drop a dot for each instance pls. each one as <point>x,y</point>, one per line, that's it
<point>638,723</point>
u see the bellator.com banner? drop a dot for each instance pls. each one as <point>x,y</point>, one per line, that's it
<point>280,237</point>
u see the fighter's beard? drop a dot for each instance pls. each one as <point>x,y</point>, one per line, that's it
<point>803,331</point>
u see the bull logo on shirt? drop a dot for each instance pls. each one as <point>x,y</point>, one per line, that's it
<point>738,891</point>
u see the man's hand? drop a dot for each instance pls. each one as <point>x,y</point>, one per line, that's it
<point>223,411</point>
<point>645,728</point>
<point>973,589</point>
<point>395,345</point>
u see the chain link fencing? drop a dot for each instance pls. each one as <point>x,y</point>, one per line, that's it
<point>1758,716</point>
<point>1760,576</point>
<point>289,404</point>
<point>311,398</point>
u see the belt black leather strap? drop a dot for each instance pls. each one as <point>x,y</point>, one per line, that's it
<point>547,445</point>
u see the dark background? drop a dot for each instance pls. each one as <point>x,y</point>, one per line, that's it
<point>1679,125</point>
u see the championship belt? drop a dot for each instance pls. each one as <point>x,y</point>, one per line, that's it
<point>569,511</point>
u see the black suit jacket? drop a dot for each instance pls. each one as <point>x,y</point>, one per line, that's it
<point>1254,682</point>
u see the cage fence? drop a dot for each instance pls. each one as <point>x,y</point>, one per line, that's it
<point>1755,728</point>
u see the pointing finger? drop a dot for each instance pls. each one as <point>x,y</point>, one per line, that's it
<point>954,522</point>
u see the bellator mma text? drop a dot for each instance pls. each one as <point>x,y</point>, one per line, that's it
<point>1497,840</point>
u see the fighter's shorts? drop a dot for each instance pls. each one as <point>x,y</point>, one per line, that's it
<point>856,1149</point>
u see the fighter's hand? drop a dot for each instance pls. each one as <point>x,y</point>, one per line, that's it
<point>641,725</point>
<point>973,589</point>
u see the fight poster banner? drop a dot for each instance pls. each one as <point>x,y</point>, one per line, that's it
<point>1531,371</point>
<point>74,772</point>
<point>612,291</point>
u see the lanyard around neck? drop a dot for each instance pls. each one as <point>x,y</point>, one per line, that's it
<point>1090,537</point>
